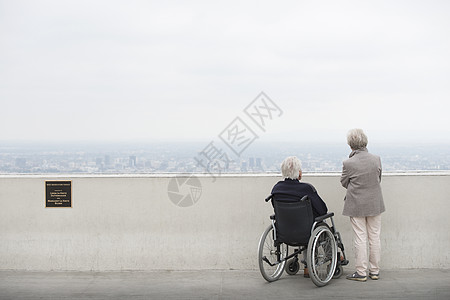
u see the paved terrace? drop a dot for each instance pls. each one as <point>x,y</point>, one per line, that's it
<point>207,284</point>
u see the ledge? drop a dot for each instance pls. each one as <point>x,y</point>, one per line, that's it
<point>206,175</point>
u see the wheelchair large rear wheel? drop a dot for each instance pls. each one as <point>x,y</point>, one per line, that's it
<point>270,256</point>
<point>321,256</point>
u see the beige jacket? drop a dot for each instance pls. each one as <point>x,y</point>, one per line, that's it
<point>361,176</point>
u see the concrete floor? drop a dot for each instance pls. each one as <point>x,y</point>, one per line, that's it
<point>393,284</point>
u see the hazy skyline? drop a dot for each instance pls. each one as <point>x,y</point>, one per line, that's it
<point>112,70</point>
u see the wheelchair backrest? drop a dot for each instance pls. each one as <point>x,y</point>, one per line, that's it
<point>293,219</point>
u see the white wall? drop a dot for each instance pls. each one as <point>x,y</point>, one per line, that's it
<point>129,222</point>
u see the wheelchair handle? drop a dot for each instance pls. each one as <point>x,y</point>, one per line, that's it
<point>323,217</point>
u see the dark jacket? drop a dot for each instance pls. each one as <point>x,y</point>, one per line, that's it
<point>294,190</point>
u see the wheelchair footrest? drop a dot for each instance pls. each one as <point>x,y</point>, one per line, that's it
<point>267,261</point>
<point>344,262</point>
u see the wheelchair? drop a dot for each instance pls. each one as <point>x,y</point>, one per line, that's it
<point>293,225</point>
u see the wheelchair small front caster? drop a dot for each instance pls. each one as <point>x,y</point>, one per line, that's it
<point>338,272</point>
<point>292,266</point>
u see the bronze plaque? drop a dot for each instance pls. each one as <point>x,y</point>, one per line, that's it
<point>58,194</point>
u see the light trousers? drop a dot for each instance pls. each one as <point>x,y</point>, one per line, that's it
<point>367,229</point>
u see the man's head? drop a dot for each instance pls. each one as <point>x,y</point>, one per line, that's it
<point>291,168</point>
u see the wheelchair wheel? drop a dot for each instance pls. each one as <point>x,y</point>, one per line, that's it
<point>322,255</point>
<point>270,257</point>
<point>292,266</point>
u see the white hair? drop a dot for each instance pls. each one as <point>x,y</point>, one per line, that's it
<point>356,139</point>
<point>291,167</point>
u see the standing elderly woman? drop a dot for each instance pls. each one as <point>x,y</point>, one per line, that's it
<point>361,176</point>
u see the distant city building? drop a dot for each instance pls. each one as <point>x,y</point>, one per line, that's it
<point>132,161</point>
<point>259,163</point>
<point>98,162</point>
<point>251,163</point>
<point>244,167</point>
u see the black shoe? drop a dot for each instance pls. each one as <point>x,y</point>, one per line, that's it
<point>374,276</point>
<point>357,277</point>
<point>306,273</point>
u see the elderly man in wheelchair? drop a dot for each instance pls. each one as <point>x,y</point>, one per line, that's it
<point>300,222</point>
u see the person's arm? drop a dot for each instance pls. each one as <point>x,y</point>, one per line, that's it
<point>317,203</point>
<point>345,177</point>
<point>380,170</point>
<point>274,191</point>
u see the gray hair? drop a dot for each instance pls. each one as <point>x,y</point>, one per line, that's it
<point>356,139</point>
<point>291,167</point>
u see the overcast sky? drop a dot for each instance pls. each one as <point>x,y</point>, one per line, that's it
<point>114,70</point>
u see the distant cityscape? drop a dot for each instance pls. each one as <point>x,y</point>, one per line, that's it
<point>177,157</point>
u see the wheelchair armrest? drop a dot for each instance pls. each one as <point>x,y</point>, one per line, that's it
<point>321,218</point>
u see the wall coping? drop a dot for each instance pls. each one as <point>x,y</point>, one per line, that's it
<point>206,175</point>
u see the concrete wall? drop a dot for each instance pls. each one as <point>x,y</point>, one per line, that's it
<point>129,222</point>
